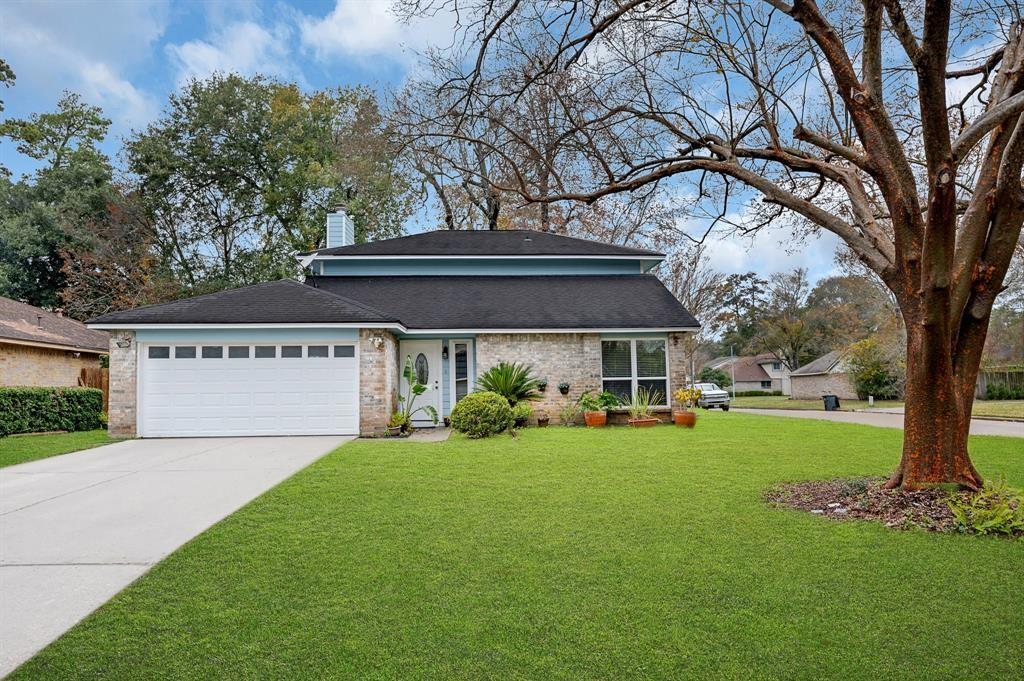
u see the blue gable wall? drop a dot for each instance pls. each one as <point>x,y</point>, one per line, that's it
<point>482,266</point>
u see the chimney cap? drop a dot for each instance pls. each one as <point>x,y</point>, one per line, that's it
<point>340,208</point>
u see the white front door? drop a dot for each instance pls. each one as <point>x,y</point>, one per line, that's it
<point>426,366</point>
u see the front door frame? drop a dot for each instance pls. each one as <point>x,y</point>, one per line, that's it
<point>434,394</point>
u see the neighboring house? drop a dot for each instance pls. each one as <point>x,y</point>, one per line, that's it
<point>825,375</point>
<point>325,356</point>
<point>764,372</point>
<point>40,348</point>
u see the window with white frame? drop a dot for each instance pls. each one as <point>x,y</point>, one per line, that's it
<point>629,364</point>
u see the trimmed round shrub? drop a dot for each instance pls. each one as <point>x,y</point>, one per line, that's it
<point>482,414</point>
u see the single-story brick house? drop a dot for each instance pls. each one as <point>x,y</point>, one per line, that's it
<point>825,375</point>
<point>41,348</point>
<point>325,355</point>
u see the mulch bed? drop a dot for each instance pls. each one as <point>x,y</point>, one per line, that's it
<point>864,499</point>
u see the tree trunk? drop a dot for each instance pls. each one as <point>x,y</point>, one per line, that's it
<point>937,417</point>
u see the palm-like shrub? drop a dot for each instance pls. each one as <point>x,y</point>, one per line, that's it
<point>515,382</point>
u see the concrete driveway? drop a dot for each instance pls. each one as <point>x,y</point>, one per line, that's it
<point>76,529</point>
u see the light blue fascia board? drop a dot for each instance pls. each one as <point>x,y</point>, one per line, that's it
<point>481,267</point>
<point>627,336</point>
<point>248,334</point>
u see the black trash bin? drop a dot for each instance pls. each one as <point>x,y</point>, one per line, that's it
<point>831,402</point>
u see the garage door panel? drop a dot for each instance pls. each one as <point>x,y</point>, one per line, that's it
<point>266,396</point>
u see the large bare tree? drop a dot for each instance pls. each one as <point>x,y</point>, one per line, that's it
<point>894,124</point>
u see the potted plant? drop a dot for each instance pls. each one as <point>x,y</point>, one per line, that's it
<point>640,408</point>
<point>595,407</point>
<point>402,418</point>
<point>521,413</point>
<point>687,399</point>
<point>563,388</point>
<point>542,385</point>
<point>398,424</point>
<point>542,418</point>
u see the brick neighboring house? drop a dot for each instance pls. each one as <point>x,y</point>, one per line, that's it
<point>40,348</point>
<point>827,374</point>
<point>326,355</point>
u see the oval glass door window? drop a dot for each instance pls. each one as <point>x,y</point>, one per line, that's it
<point>422,368</point>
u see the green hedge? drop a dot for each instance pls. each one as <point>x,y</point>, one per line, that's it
<point>37,410</point>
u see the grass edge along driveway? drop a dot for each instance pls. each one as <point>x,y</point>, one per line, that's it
<point>17,449</point>
<point>570,553</point>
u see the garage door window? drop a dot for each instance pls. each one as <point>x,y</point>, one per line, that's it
<point>238,352</point>
<point>184,352</point>
<point>344,351</point>
<point>291,351</point>
<point>213,352</point>
<point>159,352</point>
<point>316,351</point>
<point>266,351</point>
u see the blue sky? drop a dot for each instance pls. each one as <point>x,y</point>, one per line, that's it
<point>127,56</point>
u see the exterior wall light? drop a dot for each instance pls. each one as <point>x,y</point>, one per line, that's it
<point>444,352</point>
<point>124,343</point>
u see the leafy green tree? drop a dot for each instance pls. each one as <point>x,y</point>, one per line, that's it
<point>240,172</point>
<point>716,376</point>
<point>7,78</point>
<point>42,215</point>
<point>874,370</point>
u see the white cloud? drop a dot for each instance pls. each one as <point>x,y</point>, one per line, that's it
<point>244,47</point>
<point>85,47</point>
<point>364,28</point>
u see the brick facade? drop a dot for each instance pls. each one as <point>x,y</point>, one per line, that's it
<point>574,358</point>
<point>123,383</point>
<point>813,387</point>
<point>378,379</point>
<point>44,367</point>
<point>678,364</point>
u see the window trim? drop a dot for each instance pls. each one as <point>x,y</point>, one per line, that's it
<point>470,367</point>
<point>634,378</point>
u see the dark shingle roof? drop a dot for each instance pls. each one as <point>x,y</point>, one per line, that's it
<point>277,302</point>
<point>511,242</point>
<point>26,323</point>
<point>822,365</point>
<point>525,302</point>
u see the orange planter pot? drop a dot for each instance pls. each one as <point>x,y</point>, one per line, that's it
<point>687,419</point>
<point>595,419</point>
<point>643,423</point>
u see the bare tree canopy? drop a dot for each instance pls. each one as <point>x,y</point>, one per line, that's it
<point>895,125</point>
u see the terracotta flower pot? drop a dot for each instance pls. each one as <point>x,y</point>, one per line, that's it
<point>643,423</point>
<point>685,418</point>
<point>595,419</point>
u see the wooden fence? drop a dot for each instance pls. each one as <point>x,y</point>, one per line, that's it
<point>97,378</point>
<point>1010,377</point>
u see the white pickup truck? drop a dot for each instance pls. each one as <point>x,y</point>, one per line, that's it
<point>712,396</point>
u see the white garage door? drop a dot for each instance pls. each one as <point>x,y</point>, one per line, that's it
<point>255,389</point>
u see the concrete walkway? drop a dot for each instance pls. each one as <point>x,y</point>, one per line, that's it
<point>888,419</point>
<point>76,529</point>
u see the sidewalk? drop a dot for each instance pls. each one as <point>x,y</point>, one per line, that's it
<point>888,418</point>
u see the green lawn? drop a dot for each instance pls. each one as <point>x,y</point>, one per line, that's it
<point>783,402</point>
<point>999,408</point>
<point>570,553</point>
<point>22,448</point>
